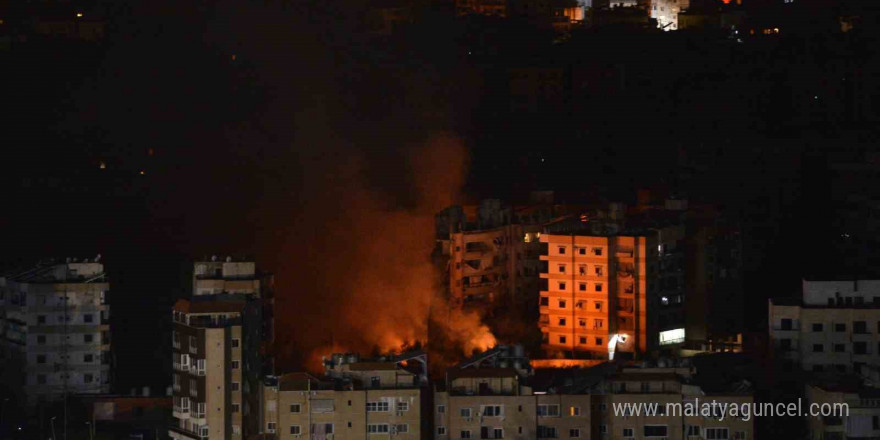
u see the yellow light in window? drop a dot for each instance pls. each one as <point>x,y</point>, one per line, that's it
<point>79,14</point>
<point>102,165</point>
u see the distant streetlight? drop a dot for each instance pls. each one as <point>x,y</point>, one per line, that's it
<point>79,15</point>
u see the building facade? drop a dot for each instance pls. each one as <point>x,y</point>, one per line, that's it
<point>219,341</point>
<point>356,400</point>
<point>835,326</point>
<point>56,330</point>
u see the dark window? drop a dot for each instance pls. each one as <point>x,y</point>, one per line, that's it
<point>88,317</point>
<point>374,382</point>
<point>41,358</point>
<point>235,343</point>
<point>41,319</point>
<point>818,348</point>
<point>562,249</point>
<point>88,378</point>
<point>860,327</point>
<point>41,379</point>
<point>655,430</point>
<point>839,327</point>
<point>41,339</point>
<point>860,347</point>
<point>88,338</point>
<point>817,327</point>
<point>546,301</point>
<point>785,344</point>
<point>786,324</point>
<point>839,348</point>
<point>88,357</point>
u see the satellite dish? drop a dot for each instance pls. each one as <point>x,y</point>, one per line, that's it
<point>98,258</point>
<point>229,259</point>
<point>213,258</point>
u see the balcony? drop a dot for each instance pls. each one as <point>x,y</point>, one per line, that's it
<point>181,367</point>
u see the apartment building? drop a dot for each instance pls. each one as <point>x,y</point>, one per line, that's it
<point>358,399</point>
<point>490,397</point>
<point>834,326</point>
<point>859,419</point>
<point>673,390</point>
<point>609,291</point>
<point>490,252</point>
<point>218,342</point>
<point>54,319</point>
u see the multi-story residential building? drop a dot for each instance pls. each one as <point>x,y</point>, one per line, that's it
<point>219,341</point>
<point>491,252</point>
<point>609,290</point>
<point>54,319</point>
<point>834,326</point>
<point>851,409</point>
<point>358,399</point>
<point>671,392</point>
<point>490,397</point>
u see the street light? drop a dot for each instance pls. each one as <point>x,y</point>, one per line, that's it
<point>91,433</point>
<point>52,420</point>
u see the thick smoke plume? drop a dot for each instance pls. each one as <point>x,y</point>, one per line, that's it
<point>369,284</point>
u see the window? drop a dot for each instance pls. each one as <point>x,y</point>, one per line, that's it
<point>465,434</point>
<point>582,322</point>
<point>839,348</point>
<point>562,340</point>
<point>235,343</point>
<point>562,322</point>
<point>236,407</point>
<point>582,287</point>
<point>41,358</point>
<point>599,271</point>
<point>88,339</point>
<point>597,305</point>
<point>295,430</point>
<point>741,435</point>
<point>582,251</point>
<point>561,286</point>
<point>548,410</point>
<point>562,303</point>
<point>465,412</point>
<point>41,319</point>
<point>403,406</point>
<point>295,408</point>
<point>328,428</point>
<point>817,327</point>
<point>88,378</point>
<point>693,431</point>
<point>402,428</point>
<point>574,411</point>
<point>236,365</point>
<point>561,268</point>
<point>785,324</point>
<point>860,347</point>
<point>655,430</point>
<point>545,301</point>
<point>818,348</point>
<point>841,327</point>
<point>603,429</point>
<point>599,341</point>
<point>236,430</point>
<point>547,432</point>
<point>441,430</point>
<point>574,433</point>
<point>441,409</point>
<point>598,287</point>
<point>270,427</point>
<point>41,339</point>
<point>582,340</point>
<point>88,318</point>
<point>597,323</point>
<point>88,358</point>
<point>380,406</point>
<point>492,410</point>
<point>597,251</point>
<point>717,434</point>
<point>628,432</point>
<point>860,327</point>
<point>235,386</point>
<point>561,250</point>
<point>377,428</point>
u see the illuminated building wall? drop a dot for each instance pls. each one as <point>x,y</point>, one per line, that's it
<point>596,288</point>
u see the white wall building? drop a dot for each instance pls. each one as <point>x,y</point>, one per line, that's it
<point>54,320</point>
